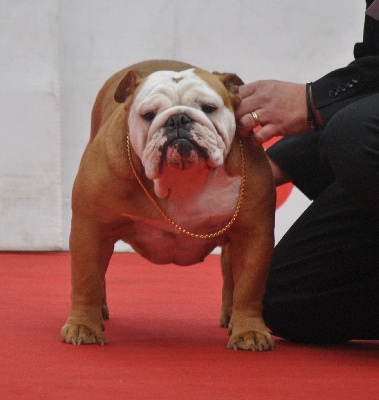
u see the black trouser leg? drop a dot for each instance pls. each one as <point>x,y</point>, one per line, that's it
<point>324,280</point>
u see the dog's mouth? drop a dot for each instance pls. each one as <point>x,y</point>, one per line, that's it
<point>184,142</point>
<point>181,150</point>
<point>181,153</point>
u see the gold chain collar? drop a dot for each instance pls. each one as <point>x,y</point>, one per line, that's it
<point>180,229</point>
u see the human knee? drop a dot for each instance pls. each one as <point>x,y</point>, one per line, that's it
<point>303,325</point>
<point>340,141</point>
<point>349,146</point>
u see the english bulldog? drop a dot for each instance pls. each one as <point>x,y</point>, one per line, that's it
<point>165,172</point>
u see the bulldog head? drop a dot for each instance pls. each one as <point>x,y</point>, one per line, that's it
<point>179,120</point>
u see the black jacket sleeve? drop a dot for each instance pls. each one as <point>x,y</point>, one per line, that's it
<point>298,155</point>
<point>359,79</point>
<point>341,87</point>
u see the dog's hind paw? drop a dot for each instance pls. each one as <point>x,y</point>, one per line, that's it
<point>105,311</point>
<point>224,319</point>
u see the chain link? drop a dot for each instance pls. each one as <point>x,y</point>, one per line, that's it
<point>180,229</point>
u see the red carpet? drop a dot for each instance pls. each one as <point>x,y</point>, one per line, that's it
<point>165,342</point>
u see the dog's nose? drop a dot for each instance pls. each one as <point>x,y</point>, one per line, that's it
<point>178,120</point>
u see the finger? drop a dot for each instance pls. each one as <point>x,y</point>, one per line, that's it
<point>247,90</point>
<point>266,133</point>
<point>246,125</point>
<point>254,141</point>
<point>246,107</point>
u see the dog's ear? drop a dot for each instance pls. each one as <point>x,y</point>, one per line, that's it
<point>231,82</point>
<point>128,85</point>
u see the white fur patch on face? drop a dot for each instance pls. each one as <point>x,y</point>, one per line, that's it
<point>165,94</point>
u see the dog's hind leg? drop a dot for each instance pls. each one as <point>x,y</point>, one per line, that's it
<point>227,289</point>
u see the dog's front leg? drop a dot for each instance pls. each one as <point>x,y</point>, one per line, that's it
<point>249,258</point>
<point>90,251</point>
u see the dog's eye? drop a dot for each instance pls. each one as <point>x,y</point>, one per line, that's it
<point>208,108</point>
<point>149,116</point>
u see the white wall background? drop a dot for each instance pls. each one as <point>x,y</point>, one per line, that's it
<point>30,134</point>
<point>56,54</point>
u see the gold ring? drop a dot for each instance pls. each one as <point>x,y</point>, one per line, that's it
<point>255,117</point>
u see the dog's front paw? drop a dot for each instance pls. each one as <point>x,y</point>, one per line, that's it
<point>81,334</point>
<point>249,334</point>
<point>254,341</point>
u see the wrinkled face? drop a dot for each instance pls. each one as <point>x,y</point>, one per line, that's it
<point>181,120</point>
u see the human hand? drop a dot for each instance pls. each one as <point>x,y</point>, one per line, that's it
<point>280,107</point>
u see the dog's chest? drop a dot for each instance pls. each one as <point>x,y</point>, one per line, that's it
<point>205,212</point>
